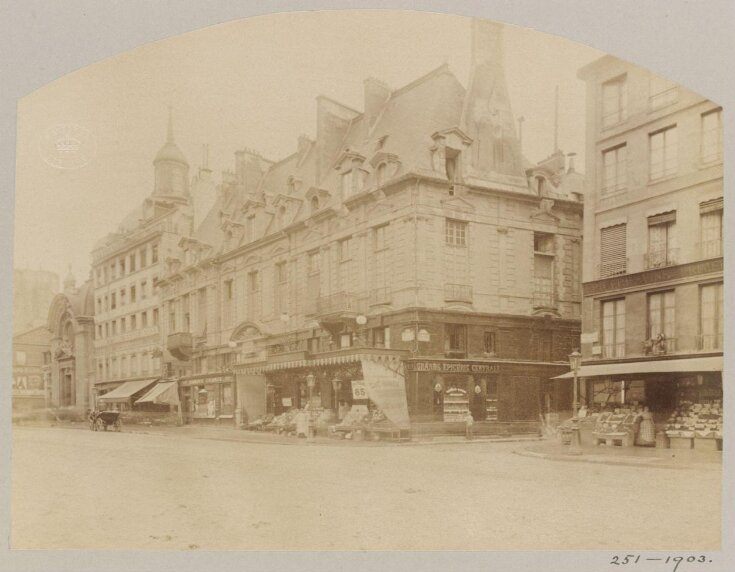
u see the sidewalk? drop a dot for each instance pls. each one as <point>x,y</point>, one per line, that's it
<point>630,456</point>
<point>239,435</point>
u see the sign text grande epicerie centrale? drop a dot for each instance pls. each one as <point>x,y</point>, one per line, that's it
<point>449,367</point>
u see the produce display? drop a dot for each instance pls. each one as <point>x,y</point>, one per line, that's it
<point>616,426</point>
<point>698,420</point>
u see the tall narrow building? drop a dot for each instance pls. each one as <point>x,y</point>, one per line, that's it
<point>653,318</point>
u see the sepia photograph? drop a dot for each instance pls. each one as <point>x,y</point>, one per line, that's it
<point>368,280</point>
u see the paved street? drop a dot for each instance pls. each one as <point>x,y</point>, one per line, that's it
<point>79,489</point>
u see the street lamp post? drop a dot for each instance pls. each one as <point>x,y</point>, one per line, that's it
<point>575,445</point>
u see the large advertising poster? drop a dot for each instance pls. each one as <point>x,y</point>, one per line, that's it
<point>387,389</point>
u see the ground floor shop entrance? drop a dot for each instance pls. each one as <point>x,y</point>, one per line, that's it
<point>208,398</point>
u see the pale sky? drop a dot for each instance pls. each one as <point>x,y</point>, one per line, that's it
<point>251,83</point>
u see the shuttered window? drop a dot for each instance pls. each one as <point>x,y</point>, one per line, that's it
<point>711,225</point>
<point>612,251</point>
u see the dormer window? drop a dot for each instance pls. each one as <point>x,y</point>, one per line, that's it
<point>380,174</point>
<point>281,217</point>
<point>348,184</point>
<point>540,185</point>
<point>314,204</point>
<point>451,164</point>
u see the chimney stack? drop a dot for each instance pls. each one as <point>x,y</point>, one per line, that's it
<point>376,94</point>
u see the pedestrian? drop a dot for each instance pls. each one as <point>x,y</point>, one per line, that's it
<point>469,422</point>
<point>646,430</point>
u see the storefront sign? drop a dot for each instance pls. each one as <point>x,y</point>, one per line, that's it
<point>204,381</point>
<point>589,338</point>
<point>359,391</point>
<point>452,367</point>
<point>387,390</point>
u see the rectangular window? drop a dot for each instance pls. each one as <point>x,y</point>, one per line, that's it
<point>155,316</point>
<point>662,153</point>
<point>379,237</point>
<point>113,301</point>
<point>313,262</point>
<point>712,323</point>
<point>455,338</point>
<point>614,170</point>
<point>543,269</point>
<point>661,250</point>
<point>712,136</point>
<point>202,312</point>
<point>113,271</point>
<point>613,259</point>
<point>114,327</point>
<point>614,101</point>
<point>144,319</point>
<point>455,232</point>
<point>143,286</point>
<point>347,184</point>
<point>132,262</point>
<point>154,254</point>
<point>122,266</point>
<point>107,329</point>
<point>99,331</point>
<point>661,321</point>
<point>133,294</point>
<point>172,320</point>
<point>143,257</point>
<point>344,250</point>
<point>281,274</point>
<point>123,324</point>
<point>253,282</point>
<point>489,343</point>
<point>254,294</point>
<point>710,214</point>
<point>133,322</point>
<point>662,92</point>
<point>186,312</point>
<point>613,328</point>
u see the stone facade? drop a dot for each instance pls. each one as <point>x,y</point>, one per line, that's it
<point>126,267</point>
<point>653,228</point>
<point>415,228</point>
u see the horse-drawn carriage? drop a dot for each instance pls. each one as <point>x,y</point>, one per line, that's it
<point>101,420</point>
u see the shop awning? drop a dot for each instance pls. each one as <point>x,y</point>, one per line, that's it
<point>693,365</point>
<point>164,392</point>
<point>127,390</point>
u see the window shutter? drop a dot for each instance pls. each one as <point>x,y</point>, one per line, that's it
<point>612,243</point>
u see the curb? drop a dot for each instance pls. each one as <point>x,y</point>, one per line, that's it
<point>652,462</point>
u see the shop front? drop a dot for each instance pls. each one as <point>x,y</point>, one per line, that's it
<point>663,403</point>
<point>330,389</point>
<point>208,398</point>
<point>494,392</point>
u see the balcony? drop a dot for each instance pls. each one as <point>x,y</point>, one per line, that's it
<point>710,249</point>
<point>339,303</point>
<point>180,345</point>
<point>380,296</point>
<point>660,258</point>
<point>709,342</point>
<point>612,267</point>
<point>658,346</point>
<point>543,300</point>
<point>457,293</point>
<point>611,351</point>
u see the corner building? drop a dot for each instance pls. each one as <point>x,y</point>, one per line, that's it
<point>653,321</point>
<point>413,234</point>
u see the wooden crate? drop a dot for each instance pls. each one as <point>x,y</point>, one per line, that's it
<point>681,442</point>
<point>704,444</point>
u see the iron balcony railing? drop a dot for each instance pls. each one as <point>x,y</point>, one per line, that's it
<point>656,346</point>
<point>457,293</point>
<point>339,302</point>
<point>710,248</point>
<point>613,350</point>
<point>661,258</point>
<point>709,342</point>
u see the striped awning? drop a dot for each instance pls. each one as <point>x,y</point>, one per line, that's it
<point>127,390</point>
<point>687,365</point>
<point>165,392</point>
<point>320,361</point>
